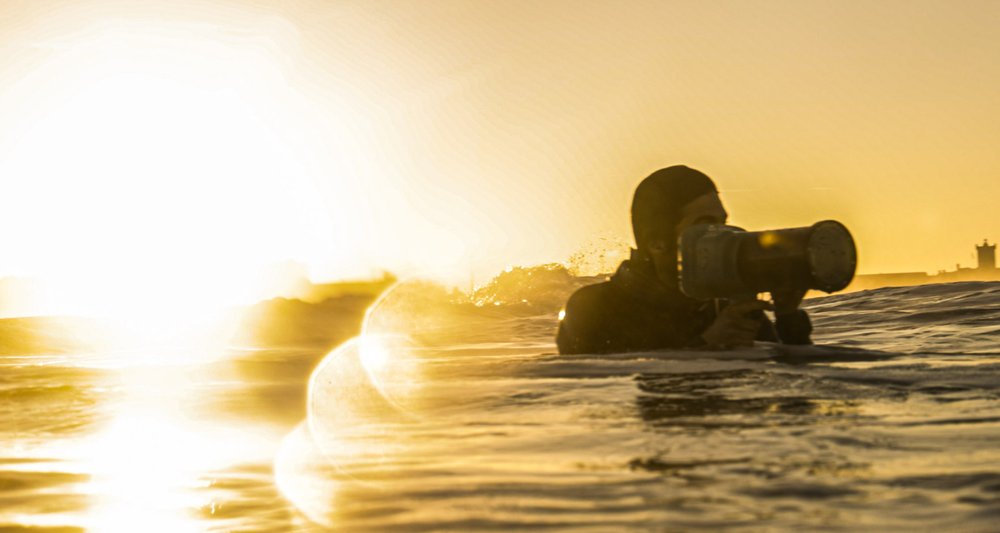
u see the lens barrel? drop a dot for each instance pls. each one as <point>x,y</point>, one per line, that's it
<point>725,261</point>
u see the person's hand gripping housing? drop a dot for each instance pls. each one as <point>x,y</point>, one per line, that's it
<point>737,325</point>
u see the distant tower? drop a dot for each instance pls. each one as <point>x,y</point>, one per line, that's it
<point>987,256</point>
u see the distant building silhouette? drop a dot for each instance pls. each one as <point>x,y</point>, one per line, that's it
<point>987,254</point>
<point>986,270</point>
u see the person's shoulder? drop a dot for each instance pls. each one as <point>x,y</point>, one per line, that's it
<point>583,324</point>
<point>594,304</point>
<point>590,297</point>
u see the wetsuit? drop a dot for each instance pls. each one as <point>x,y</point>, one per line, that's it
<point>634,312</point>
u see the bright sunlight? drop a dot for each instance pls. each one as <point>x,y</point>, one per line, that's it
<point>161,161</point>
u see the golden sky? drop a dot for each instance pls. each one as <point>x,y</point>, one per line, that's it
<point>205,141</point>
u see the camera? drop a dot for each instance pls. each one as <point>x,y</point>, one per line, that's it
<point>718,261</point>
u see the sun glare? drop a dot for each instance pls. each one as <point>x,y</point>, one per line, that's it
<point>167,185</point>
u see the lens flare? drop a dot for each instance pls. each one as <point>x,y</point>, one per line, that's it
<point>349,419</point>
<point>305,478</point>
<point>366,398</point>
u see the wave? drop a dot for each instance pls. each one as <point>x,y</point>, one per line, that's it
<point>960,317</point>
<point>542,287</point>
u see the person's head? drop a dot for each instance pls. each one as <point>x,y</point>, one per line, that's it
<point>666,203</point>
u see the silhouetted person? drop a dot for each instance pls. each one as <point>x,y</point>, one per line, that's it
<point>642,308</point>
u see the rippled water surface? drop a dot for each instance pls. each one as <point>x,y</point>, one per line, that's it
<point>463,418</point>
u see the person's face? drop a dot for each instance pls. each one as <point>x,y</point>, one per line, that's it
<point>705,209</point>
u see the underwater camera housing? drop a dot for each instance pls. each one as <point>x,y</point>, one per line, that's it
<point>717,261</point>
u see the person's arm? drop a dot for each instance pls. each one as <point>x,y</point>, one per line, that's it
<point>794,328</point>
<point>791,323</point>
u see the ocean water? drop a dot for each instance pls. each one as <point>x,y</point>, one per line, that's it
<point>444,416</point>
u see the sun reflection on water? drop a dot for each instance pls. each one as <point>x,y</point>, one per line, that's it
<point>151,465</point>
<point>145,467</point>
